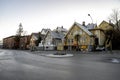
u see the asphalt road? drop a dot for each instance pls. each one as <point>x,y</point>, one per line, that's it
<point>22,65</point>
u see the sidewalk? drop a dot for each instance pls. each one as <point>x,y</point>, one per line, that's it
<point>113,53</point>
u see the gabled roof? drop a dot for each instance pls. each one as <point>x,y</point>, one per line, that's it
<point>10,37</point>
<point>55,35</point>
<point>35,34</point>
<point>106,26</point>
<point>91,26</point>
<point>84,29</point>
<point>44,31</point>
<point>61,29</point>
<point>104,23</point>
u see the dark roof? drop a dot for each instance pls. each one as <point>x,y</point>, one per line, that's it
<point>46,30</point>
<point>35,34</point>
<point>25,36</point>
<point>91,26</point>
<point>57,35</point>
<point>84,28</point>
<point>62,29</point>
<point>10,37</point>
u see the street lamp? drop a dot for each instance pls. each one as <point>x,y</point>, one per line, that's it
<point>90,17</point>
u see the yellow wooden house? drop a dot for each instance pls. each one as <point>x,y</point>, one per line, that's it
<point>105,26</point>
<point>79,38</point>
<point>99,37</point>
<point>108,31</point>
<point>104,34</point>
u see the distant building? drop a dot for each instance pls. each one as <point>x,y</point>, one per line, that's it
<point>24,42</point>
<point>52,39</point>
<point>44,31</point>
<point>61,30</point>
<point>43,34</point>
<point>10,42</point>
<point>1,44</point>
<point>13,42</point>
<point>34,40</point>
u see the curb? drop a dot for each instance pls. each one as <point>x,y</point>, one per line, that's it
<point>59,56</point>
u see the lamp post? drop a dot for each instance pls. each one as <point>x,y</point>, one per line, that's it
<point>90,17</point>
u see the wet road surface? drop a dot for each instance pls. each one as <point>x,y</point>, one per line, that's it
<point>21,65</point>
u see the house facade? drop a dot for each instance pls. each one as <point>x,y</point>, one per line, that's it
<point>52,39</point>
<point>24,42</point>
<point>79,38</point>
<point>44,31</point>
<point>43,34</point>
<point>34,40</point>
<point>99,36</point>
<point>108,31</point>
<point>1,44</point>
<point>84,37</point>
<point>10,43</point>
<point>13,42</point>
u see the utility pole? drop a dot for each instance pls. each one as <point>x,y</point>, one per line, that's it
<point>90,17</point>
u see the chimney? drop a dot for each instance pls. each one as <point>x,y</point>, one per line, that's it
<point>83,23</point>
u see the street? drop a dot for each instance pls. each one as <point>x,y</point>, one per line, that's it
<point>25,65</point>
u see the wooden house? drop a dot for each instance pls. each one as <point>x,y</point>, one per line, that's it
<point>52,39</point>
<point>34,38</point>
<point>79,38</point>
<point>108,31</point>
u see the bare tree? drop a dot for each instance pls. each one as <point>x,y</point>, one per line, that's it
<point>115,17</point>
<point>24,33</point>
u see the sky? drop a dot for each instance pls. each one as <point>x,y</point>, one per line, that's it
<point>38,14</point>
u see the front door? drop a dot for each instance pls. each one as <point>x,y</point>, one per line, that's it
<point>77,39</point>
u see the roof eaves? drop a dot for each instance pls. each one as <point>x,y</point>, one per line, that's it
<point>85,29</point>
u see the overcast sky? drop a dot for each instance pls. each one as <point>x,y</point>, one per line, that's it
<point>37,14</point>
